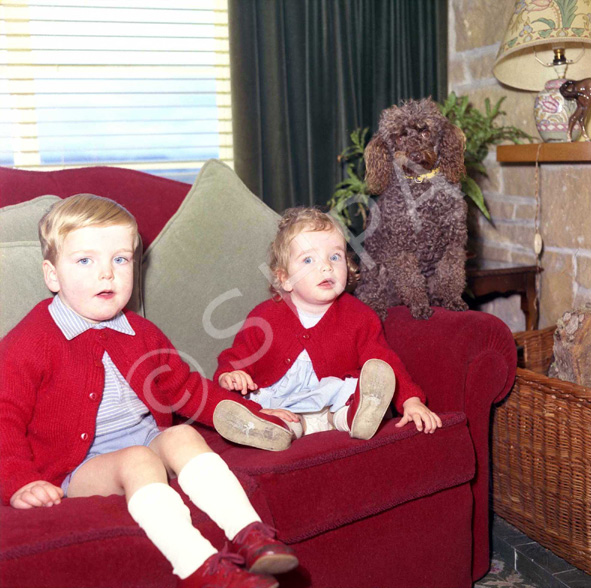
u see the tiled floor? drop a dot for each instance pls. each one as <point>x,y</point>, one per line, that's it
<point>535,563</point>
<point>503,575</point>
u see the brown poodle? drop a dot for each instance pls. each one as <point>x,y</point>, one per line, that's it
<point>416,235</point>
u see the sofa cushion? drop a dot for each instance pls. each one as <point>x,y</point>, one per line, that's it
<point>19,221</point>
<point>330,470</point>
<point>201,274</point>
<point>324,481</point>
<point>81,542</point>
<point>21,278</point>
<point>21,281</point>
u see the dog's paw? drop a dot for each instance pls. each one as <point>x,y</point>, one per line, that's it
<point>382,313</point>
<point>457,305</point>
<point>421,312</point>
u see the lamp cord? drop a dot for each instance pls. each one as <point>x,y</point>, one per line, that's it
<point>538,242</point>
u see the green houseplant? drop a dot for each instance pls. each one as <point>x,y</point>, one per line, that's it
<point>353,189</point>
<point>481,130</point>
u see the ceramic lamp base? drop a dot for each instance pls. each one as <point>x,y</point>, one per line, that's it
<point>552,112</point>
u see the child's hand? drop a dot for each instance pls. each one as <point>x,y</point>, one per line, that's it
<point>283,414</point>
<point>415,410</point>
<point>38,493</point>
<point>237,380</point>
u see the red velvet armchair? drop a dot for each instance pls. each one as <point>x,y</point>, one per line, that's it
<point>403,510</point>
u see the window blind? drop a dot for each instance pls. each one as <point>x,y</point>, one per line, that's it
<point>143,84</point>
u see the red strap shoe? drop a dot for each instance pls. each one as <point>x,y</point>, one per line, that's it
<point>221,571</point>
<point>263,553</point>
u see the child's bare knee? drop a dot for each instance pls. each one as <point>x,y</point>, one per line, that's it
<point>182,436</point>
<point>139,457</point>
<point>138,466</point>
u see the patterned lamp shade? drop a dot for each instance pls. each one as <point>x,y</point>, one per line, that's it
<point>536,28</point>
<point>544,41</point>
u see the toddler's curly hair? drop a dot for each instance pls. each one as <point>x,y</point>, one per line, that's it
<point>292,223</point>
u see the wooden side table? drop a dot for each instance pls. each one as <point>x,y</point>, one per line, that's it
<point>489,279</point>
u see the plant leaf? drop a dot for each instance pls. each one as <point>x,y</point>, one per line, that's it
<point>473,191</point>
<point>477,166</point>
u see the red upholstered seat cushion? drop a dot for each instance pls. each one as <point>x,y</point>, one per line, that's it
<point>329,470</point>
<point>160,197</point>
<point>300,491</point>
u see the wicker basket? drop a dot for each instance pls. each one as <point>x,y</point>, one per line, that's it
<point>541,455</point>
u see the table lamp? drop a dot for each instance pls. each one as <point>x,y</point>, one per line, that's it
<point>533,56</point>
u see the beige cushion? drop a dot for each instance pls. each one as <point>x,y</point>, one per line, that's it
<point>21,282</point>
<point>18,222</point>
<point>21,276</point>
<point>201,274</point>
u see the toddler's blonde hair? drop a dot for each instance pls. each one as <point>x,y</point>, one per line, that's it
<point>77,212</point>
<point>292,223</point>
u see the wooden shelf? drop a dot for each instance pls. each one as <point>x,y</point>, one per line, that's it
<point>548,152</point>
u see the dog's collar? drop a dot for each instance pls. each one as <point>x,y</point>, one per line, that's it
<point>420,179</point>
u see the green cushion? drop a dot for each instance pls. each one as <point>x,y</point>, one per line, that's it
<point>18,222</point>
<point>21,275</point>
<point>202,274</point>
<point>21,281</point>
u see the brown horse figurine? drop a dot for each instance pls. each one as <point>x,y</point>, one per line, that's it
<point>581,92</point>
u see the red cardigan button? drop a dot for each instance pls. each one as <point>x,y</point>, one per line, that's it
<point>305,336</point>
<point>84,436</point>
<point>288,361</point>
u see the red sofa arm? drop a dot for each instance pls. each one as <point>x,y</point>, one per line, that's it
<point>463,361</point>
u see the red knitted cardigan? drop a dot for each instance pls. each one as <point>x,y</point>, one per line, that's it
<point>51,388</point>
<point>349,334</point>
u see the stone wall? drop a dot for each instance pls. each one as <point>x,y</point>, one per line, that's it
<point>476,28</point>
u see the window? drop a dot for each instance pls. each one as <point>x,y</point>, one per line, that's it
<point>143,84</point>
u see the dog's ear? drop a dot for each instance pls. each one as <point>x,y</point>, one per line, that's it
<point>378,165</point>
<point>451,152</point>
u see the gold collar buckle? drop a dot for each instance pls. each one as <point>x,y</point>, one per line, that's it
<point>420,179</point>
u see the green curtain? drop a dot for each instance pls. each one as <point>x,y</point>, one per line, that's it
<point>305,73</point>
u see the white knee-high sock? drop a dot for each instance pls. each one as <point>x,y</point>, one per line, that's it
<point>339,418</point>
<point>162,514</point>
<point>213,488</point>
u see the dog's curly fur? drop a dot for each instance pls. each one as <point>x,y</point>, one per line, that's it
<point>416,236</point>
